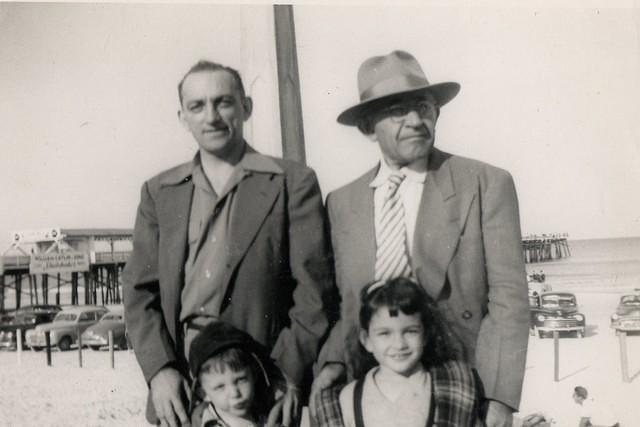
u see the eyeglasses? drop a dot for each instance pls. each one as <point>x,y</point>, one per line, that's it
<point>398,112</point>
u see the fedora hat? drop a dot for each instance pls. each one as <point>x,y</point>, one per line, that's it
<point>380,77</point>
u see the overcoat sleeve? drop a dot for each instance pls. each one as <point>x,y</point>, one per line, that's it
<point>503,336</point>
<point>145,322</point>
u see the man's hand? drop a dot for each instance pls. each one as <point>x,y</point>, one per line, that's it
<point>287,408</point>
<point>166,392</point>
<point>328,376</point>
<point>498,414</point>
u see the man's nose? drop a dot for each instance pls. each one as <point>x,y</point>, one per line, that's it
<point>413,118</point>
<point>211,112</point>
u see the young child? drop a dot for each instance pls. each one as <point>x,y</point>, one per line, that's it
<point>417,381</point>
<point>234,377</point>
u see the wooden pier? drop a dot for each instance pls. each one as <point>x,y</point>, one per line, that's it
<point>96,278</point>
<point>547,247</point>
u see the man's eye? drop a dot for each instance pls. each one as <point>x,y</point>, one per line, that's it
<point>195,108</point>
<point>398,111</point>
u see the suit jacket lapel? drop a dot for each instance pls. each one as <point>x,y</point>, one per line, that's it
<point>437,227</point>
<point>255,197</point>
<point>362,230</point>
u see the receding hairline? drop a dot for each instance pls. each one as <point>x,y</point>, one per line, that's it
<point>211,67</point>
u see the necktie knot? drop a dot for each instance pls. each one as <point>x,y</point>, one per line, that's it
<point>393,182</point>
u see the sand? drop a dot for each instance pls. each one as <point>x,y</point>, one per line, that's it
<point>97,395</point>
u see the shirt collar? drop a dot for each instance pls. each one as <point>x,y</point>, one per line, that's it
<point>252,161</point>
<point>385,170</point>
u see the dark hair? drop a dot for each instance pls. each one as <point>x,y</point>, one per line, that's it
<point>404,295</point>
<point>581,392</point>
<point>204,65</point>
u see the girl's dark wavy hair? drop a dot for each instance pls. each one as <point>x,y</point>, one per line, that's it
<point>404,295</point>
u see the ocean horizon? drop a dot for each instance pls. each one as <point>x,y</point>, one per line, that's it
<point>603,264</point>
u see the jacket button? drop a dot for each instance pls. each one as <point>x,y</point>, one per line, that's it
<point>466,315</point>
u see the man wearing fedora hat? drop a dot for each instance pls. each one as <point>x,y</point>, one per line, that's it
<point>449,222</point>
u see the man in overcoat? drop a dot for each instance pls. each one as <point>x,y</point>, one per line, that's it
<point>233,236</point>
<point>455,228</point>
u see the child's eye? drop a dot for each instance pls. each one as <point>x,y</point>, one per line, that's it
<point>219,387</point>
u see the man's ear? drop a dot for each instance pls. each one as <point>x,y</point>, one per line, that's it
<point>183,122</point>
<point>247,106</point>
<point>364,340</point>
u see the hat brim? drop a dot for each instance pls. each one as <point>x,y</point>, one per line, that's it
<point>442,92</point>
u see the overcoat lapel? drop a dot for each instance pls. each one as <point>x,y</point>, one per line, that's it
<point>175,205</point>
<point>255,197</point>
<point>437,227</point>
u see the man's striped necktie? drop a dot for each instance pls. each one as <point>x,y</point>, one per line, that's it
<point>392,258</point>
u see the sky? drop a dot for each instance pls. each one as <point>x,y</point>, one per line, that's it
<point>88,100</point>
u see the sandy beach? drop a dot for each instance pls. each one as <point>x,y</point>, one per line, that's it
<point>96,395</point>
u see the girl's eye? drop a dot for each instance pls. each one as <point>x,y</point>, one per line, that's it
<point>219,387</point>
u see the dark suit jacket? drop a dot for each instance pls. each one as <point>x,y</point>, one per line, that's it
<point>277,277</point>
<point>466,253</point>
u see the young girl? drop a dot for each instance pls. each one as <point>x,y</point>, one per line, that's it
<point>417,381</point>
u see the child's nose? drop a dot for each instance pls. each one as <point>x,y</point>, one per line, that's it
<point>399,341</point>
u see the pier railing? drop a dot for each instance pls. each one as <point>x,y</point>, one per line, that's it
<point>545,248</point>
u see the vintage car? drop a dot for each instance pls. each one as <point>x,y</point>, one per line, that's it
<point>26,318</point>
<point>65,327</point>
<point>627,315</point>
<point>557,311</point>
<point>97,336</point>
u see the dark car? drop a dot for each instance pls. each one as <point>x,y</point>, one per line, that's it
<point>26,318</point>
<point>627,315</point>
<point>97,336</point>
<point>557,311</point>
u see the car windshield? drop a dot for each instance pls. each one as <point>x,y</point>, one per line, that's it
<point>631,300</point>
<point>65,317</point>
<point>558,301</point>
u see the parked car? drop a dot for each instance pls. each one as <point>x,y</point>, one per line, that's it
<point>97,336</point>
<point>627,315</point>
<point>534,298</point>
<point>557,311</point>
<point>65,327</point>
<point>26,318</point>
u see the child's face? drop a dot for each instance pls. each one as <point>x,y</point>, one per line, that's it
<point>230,391</point>
<point>396,342</point>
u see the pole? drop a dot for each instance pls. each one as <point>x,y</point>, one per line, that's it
<point>556,356</point>
<point>19,345</point>
<point>624,361</point>
<point>110,334</point>
<point>47,340</point>
<point>289,85</point>
<point>79,347</point>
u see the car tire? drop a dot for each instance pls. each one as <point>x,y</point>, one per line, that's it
<point>94,347</point>
<point>36,348</point>
<point>532,332</point>
<point>122,343</point>
<point>539,333</point>
<point>64,344</point>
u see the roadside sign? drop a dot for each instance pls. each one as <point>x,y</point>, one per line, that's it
<point>59,262</point>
